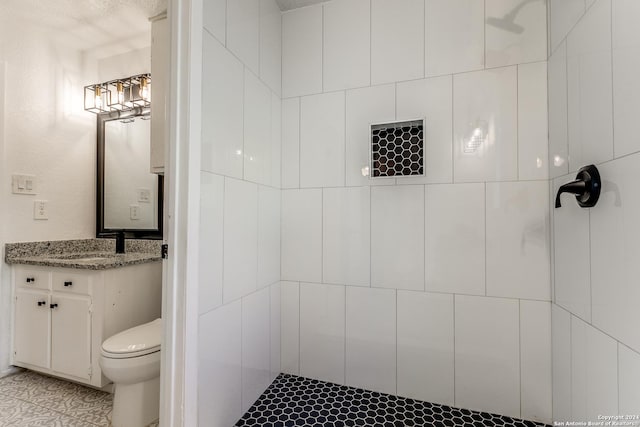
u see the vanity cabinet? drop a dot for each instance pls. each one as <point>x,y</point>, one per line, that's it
<point>61,316</point>
<point>160,43</point>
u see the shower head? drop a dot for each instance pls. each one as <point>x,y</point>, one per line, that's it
<point>506,23</point>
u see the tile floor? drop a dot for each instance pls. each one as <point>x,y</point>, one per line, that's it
<point>30,399</point>
<point>297,401</point>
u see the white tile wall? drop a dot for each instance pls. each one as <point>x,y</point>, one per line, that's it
<point>322,140</point>
<point>290,327</point>
<point>346,236</point>
<point>322,332</point>
<point>302,51</point>
<point>243,32</point>
<point>365,106</point>
<point>533,141</point>
<point>518,237</point>
<point>275,314</point>
<point>626,67</point>
<point>487,354</point>
<point>420,228</point>
<point>455,238</point>
<point>276,141</point>
<point>572,240</point>
<point>628,380</point>
<point>564,14</point>
<point>486,100</point>
<point>454,36</point>
<point>594,376</point>
<point>431,99</point>
<point>346,44</point>
<point>211,249</point>
<point>557,104</point>
<point>561,359</point>
<point>220,367</point>
<point>302,235</point>
<point>589,88</point>
<point>239,234</point>
<point>257,130</point>
<point>425,346</point>
<point>222,105</point>
<point>397,245</point>
<point>506,46</point>
<point>291,143</point>
<point>268,236</point>
<point>615,247</point>
<point>371,338</point>
<point>595,249</point>
<point>214,17</point>
<point>256,349</point>
<point>271,44</point>
<point>240,238</point>
<point>397,40</point>
<point>535,360</point>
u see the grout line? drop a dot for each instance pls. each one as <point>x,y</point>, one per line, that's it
<point>590,271</point>
<point>454,349</point>
<point>618,374</point>
<point>520,351</point>
<point>485,238</point>
<point>613,116</point>
<point>370,42</point>
<point>224,193</point>
<point>241,299</point>
<point>484,34</point>
<point>299,326</point>
<point>453,165</point>
<point>518,121</point>
<point>322,235</point>
<point>395,294</point>
<point>322,48</point>
<point>299,141</point>
<point>344,339</point>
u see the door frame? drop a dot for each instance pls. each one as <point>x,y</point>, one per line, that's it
<point>179,364</point>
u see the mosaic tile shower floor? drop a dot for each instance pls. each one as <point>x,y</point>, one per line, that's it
<point>28,399</point>
<point>297,401</point>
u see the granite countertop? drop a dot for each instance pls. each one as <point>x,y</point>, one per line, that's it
<point>88,254</point>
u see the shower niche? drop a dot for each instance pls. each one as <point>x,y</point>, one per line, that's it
<point>397,149</point>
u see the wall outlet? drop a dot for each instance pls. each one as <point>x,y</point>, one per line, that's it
<point>40,210</point>
<point>134,212</point>
<point>144,195</point>
<point>23,184</point>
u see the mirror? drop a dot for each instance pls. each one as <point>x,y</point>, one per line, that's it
<point>129,197</point>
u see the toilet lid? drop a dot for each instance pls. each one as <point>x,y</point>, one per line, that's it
<point>137,341</point>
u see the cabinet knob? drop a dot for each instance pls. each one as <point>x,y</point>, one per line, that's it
<point>52,306</point>
<point>31,279</point>
<point>41,303</point>
<point>68,283</point>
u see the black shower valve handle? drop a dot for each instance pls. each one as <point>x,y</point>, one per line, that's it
<point>586,187</point>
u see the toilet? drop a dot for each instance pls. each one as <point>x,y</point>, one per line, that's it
<point>131,359</point>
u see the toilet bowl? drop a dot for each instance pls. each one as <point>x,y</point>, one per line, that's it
<point>131,359</point>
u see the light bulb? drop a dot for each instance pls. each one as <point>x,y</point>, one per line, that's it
<point>144,89</point>
<point>98,100</point>
<point>120,90</point>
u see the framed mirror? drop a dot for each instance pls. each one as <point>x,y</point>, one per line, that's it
<point>129,197</point>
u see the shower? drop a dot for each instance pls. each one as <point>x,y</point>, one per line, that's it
<point>507,21</point>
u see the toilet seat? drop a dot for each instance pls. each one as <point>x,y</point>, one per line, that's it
<point>135,342</point>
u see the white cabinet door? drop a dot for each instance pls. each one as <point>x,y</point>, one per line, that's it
<point>159,91</point>
<point>31,339</point>
<point>71,335</point>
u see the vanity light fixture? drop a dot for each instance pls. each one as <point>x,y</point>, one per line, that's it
<point>119,95</point>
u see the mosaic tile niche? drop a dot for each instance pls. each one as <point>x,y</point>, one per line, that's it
<point>397,149</point>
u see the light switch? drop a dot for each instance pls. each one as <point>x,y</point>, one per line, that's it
<point>40,210</point>
<point>23,184</point>
<point>144,195</point>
